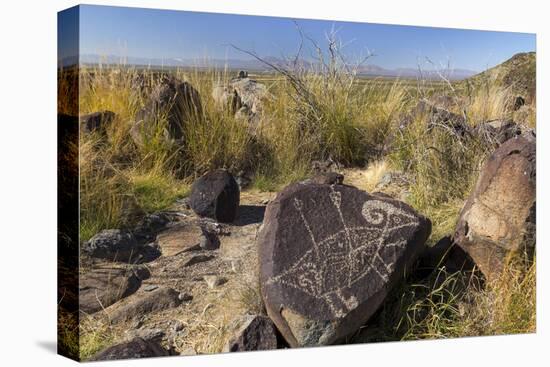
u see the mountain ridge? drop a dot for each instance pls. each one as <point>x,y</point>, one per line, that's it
<point>258,66</point>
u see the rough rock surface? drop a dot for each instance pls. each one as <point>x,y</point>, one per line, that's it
<point>499,216</point>
<point>328,178</point>
<point>215,195</point>
<point>177,101</point>
<point>498,131</point>
<point>102,287</point>
<point>252,332</point>
<point>180,238</point>
<point>120,245</point>
<point>135,348</point>
<point>242,96</point>
<point>329,255</point>
<point>96,121</point>
<point>438,117</point>
<point>157,300</point>
<point>111,244</point>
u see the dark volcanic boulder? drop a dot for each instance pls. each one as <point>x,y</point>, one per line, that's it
<point>498,218</point>
<point>438,117</point>
<point>497,132</point>
<point>329,255</point>
<point>96,121</point>
<point>171,101</point>
<point>252,332</point>
<point>120,246</point>
<point>102,287</point>
<point>215,195</point>
<point>135,348</point>
<point>158,300</point>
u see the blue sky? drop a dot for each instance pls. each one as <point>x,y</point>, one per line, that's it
<point>149,33</point>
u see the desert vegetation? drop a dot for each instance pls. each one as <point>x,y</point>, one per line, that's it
<point>377,132</point>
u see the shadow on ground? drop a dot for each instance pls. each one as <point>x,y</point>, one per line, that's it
<point>250,214</point>
<point>49,346</point>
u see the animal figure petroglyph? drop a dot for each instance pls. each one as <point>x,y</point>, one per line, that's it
<point>332,265</point>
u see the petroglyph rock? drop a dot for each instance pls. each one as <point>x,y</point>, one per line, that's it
<point>329,255</point>
<point>499,217</point>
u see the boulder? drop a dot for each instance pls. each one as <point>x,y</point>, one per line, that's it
<point>498,131</point>
<point>328,178</point>
<point>215,195</point>
<point>242,96</point>
<point>252,332</point>
<point>102,287</point>
<point>96,121</point>
<point>171,100</point>
<point>498,219</point>
<point>438,117</point>
<point>135,348</point>
<point>120,246</point>
<point>111,244</point>
<point>329,255</point>
<point>157,300</point>
<point>179,238</point>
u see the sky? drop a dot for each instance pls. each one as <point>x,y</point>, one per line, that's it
<point>164,34</point>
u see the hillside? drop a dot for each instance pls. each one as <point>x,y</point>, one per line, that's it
<point>517,73</point>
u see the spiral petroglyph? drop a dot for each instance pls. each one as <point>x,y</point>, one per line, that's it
<point>343,258</point>
<point>329,254</point>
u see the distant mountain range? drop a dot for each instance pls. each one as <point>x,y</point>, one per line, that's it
<point>257,66</point>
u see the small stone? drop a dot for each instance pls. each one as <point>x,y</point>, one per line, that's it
<point>209,241</point>
<point>385,180</point>
<point>150,287</point>
<point>177,325</point>
<point>214,281</point>
<point>137,324</point>
<point>185,297</point>
<point>196,259</point>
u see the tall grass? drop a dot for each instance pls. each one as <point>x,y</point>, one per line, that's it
<point>312,114</point>
<point>120,181</point>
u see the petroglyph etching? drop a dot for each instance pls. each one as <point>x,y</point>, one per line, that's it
<point>329,268</point>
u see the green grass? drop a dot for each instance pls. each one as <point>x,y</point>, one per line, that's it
<point>451,305</point>
<point>154,192</point>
